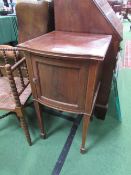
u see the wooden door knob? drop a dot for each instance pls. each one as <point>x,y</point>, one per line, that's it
<point>34,80</point>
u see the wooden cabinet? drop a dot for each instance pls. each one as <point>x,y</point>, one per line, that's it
<point>65,72</point>
<point>96,17</point>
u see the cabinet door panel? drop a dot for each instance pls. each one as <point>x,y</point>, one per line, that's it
<point>61,83</point>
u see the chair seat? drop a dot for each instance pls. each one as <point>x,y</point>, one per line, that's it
<point>6,98</point>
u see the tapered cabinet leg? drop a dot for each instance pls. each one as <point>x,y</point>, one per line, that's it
<point>86,120</point>
<point>40,121</point>
<point>25,128</point>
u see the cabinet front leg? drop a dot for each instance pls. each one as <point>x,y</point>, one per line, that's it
<point>86,120</point>
<point>40,121</point>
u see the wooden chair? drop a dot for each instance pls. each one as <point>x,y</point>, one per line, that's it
<point>14,88</point>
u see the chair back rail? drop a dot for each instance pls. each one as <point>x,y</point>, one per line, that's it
<point>4,51</point>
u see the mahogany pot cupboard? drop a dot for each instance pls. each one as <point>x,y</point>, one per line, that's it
<point>71,68</point>
<point>65,72</point>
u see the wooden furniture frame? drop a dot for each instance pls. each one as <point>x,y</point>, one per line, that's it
<point>65,72</point>
<point>16,88</point>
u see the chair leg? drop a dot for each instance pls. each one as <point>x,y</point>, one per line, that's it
<point>86,120</point>
<point>25,129</point>
<point>39,117</point>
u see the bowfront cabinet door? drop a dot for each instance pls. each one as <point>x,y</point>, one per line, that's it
<point>60,83</point>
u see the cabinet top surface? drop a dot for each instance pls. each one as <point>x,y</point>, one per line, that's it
<point>69,44</point>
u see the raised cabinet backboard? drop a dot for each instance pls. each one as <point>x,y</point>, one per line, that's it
<point>90,16</point>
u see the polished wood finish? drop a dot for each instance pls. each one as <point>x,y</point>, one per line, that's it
<point>96,17</point>
<point>65,72</point>
<point>80,16</point>
<point>67,43</point>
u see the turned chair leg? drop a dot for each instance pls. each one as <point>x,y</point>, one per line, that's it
<point>25,129</point>
<point>40,121</point>
<point>86,120</point>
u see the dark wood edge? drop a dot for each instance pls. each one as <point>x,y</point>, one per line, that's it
<point>56,55</point>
